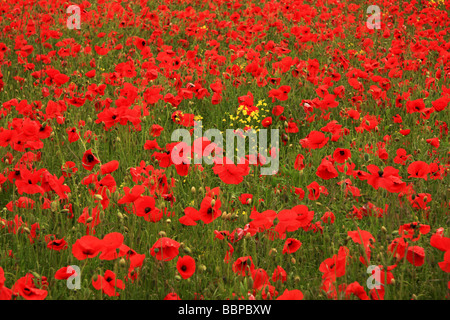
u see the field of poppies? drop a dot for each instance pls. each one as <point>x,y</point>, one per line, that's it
<point>93,204</point>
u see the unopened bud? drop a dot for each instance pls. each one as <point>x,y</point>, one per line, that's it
<point>162,233</point>
<point>98,197</point>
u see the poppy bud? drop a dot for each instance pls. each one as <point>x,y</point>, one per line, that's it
<point>392,281</point>
<point>89,220</point>
<point>193,190</point>
<point>64,210</point>
<point>26,230</point>
<point>98,197</point>
<point>7,161</point>
<point>119,215</point>
<point>178,278</point>
<point>213,202</point>
<point>54,206</point>
<point>383,228</point>
<point>250,283</point>
<point>122,263</point>
<point>202,268</point>
<point>296,279</point>
<point>201,190</point>
<point>36,275</point>
<point>366,157</point>
<point>224,215</point>
<point>89,120</point>
<point>273,251</point>
<point>249,200</point>
<point>168,221</point>
<point>108,193</point>
<point>126,229</point>
<point>414,297</point>
<point>116,196</point>
<point>248,236</point>
<point>162,234</point>
<point>293,261</point>
<point>187,250</point>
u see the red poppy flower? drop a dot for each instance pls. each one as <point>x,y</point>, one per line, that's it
<point>291,245</point>
<point>86,247</point>
<point>418,169</point>
<point>291,295</point>
<point>243,266</point>
<point>89,160</point>
<point>277,110</point>
<point>108,283</point>
<point>109,167</point>
<point>5,293</point>
<point>328,217</point>
<point>145,207</point>
<point>299,165</point>
<point>356,289</point>
<point>110,243</point>
<point>156,130</point>
<point>57,244</point>
<point>172,296</point>
<point>165,249</point>
<point>26,288</point>
<point>445,265</point>
<point>314,140</point>
<point>186,266</point>
<point>326,170</point>
<point>341,155</point>
<point>231,173</point>
<point>416,255</point>
<point>260,278</point>
<point>209,210</point>
<point>413,230</point>
<point>65,273</point>
<point>68,169</point>
<point>279,274</point>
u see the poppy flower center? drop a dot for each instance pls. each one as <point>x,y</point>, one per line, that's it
<point>114,117</point>
<point>108,279</point>
<point>147,210</point>
<point>90,157</point>
<point>341,152</point>
<point>210,210</point>
<point>380,173</point>
<point>183,268</point>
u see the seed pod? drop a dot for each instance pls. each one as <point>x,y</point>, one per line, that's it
<point>162,234</point>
